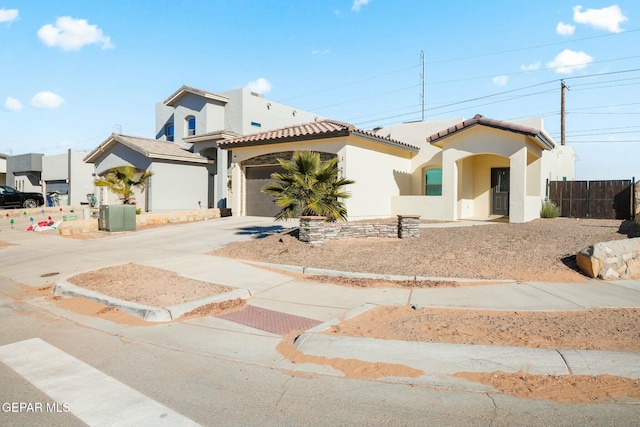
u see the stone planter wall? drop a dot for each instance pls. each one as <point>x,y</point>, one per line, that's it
<point>314,230</point>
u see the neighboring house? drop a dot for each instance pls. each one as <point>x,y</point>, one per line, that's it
<point>3,169</point>
<point>446,170</point>
<point>66,174</point>
<point>24,172</point>
<point>189,169</point>
<point>179,179</point>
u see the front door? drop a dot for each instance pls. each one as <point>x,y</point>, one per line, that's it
<point>500,191</point>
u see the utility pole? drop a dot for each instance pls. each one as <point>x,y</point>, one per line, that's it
<point>562,130</point>
<point>422,78</point>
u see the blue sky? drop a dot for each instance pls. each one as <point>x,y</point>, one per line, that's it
<point>73,72</point>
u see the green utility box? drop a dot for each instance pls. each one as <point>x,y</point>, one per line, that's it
<point>117,218</point>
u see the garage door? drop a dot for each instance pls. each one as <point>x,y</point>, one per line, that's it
<point>259,204</point>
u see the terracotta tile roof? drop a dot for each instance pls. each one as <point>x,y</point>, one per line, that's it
<point>151,148</point>
<point>309,131</point>
<point>542,137</point>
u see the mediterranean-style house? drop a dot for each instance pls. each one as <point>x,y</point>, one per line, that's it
<point>446,170</point>
<point>219,150</point>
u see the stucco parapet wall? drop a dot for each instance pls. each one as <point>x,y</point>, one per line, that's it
<point>618,259</point>
<point>80,226</point>
<point>315,230</point>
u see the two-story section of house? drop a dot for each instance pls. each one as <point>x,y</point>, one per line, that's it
<point>196,120</point>
<point>190,169</point>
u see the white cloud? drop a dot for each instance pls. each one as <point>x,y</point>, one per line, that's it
<point>568,61</point>
<point>565,29</point>
<point>607,18</point>
<point>530,67</point>
<point>260,86</point>
<point>46,100</point>
<point>320,51</point>
<point>357,4</point>
<point>8,15</point>
<point>500,80</point>
<point>72,34</point>
<point>12,104</point>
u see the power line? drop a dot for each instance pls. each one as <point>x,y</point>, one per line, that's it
<point>534,47</point>
<point>377,76</point>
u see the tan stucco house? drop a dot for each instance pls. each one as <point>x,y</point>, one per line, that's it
<point>446,170</point>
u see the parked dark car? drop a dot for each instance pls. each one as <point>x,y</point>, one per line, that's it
<point>12,198</point>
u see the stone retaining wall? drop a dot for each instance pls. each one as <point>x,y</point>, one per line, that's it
<point>315,230</point>
<point>80,226</point>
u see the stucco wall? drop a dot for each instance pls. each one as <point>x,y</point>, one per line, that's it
<point>428,207</point>
<point>245,108</point>
<point>177,187</point>
<point>377,172</point>
<point>237,196</point>
<point>71,168</point>
<point>378,177</point>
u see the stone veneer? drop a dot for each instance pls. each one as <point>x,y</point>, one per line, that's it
<point>314,230</point>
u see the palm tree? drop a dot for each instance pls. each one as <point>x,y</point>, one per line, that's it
<point>309,186</point>
<point>122,180</point>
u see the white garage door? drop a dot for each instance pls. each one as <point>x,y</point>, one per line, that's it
<point>259,204</point>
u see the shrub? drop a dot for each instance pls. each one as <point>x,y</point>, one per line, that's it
<point>549,210</point>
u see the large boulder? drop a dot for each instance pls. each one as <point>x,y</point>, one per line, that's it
<point>618,259</point>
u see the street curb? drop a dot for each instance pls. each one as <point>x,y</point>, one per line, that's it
<point>300,339</point>
<point>448,359</point>
<point>312,271</point>
<point>179,310</point>
<point>145,312</point>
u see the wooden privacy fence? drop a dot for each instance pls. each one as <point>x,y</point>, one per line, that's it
<point>612,199</point>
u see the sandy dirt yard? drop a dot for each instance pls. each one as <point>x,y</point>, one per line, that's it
<point>542,250</point>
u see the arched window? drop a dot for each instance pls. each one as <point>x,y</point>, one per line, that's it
<point>433,182</point>
<point>191,125</point>
<point>168,131</point>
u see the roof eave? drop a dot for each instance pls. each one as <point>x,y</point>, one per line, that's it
<point>283,140</point>
<point>173,99</point>
<point>387,142</point>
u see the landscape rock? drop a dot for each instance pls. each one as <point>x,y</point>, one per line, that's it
<point>611,260</point>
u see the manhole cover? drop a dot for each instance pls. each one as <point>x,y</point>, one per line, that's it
<point>269,320</point>
<point>49,274</point>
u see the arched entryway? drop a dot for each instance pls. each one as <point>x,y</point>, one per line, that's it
<point>483,186</point>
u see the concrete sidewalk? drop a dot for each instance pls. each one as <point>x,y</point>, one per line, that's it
<point>331,304</point>
<point>181,249</point>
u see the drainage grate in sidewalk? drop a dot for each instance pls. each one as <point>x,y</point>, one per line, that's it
<point>269,320</point>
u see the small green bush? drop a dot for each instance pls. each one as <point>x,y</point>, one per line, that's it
<point>549,210</point>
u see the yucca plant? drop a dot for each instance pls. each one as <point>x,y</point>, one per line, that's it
<point>309,186</point>
<point>122,180</point>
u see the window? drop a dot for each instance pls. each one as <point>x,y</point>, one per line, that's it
<point>191,126</point>
<point>168,131</point>
<point>433,182</point>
